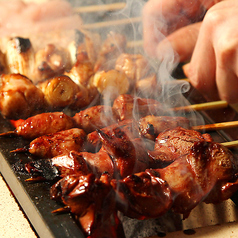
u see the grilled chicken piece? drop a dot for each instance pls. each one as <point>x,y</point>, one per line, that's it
<point>110,83</point>
<point>135,66</point>
<point>127,126</point>
<point>19,97</point>
<point>127,155</point>
<point>148,87</point>
<point>129,107</point>
<point>201,174</point>
<point>151,126</point>
<point>20,56</point>
<point>207,172</point>
<point>57,143</point>
<point>111,48</point>
<point>81,71</point>
<point>42,124</point>
<point>142,195</point>
<point>172,143</point>
<point>95,117</point>
<point>118,157</point>
<point>50,61</point>
<point>92,202</point>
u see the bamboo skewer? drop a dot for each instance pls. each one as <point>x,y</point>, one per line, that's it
<point>203,106</point>
<point>98,8</point>
<point>216,126</point>
<point>230,144</point>
<point>112,23</point>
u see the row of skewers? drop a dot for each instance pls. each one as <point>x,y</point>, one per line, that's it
<point>127,155</point>
<point>107,159</point>
<point>74,77</point>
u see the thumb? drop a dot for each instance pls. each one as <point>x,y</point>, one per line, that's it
<point>181,41</point>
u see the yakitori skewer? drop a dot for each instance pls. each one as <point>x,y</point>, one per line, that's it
<point>100,8</point>
<point>216,126</point>
<point>202,106</point>
<point>112,23</point>
<point>230,144</point>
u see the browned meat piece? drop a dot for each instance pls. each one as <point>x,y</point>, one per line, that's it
<point>129,107</point>
<point>92,201</point>
<point>207,172</point>
<point>42,124</point>
<point>118,157</point>
<point>95,117</point>
<point>58,166</point>
<point>111,48</point>
<point>135,66</point>
<point>142,195</point>
<point>19,97</point>
<point>128,155</point>
<point>151,126</point>
<point>128,126</point>
<point>171,144</point>
<point>201,174</point>
<point>50,62</point>
<point>58,143</point>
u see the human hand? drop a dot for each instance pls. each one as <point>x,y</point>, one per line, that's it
<point>161,18</point>
<point>213,68</point>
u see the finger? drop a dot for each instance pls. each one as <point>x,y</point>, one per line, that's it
<point>202,68</point>
<point>226,51</point>
<point>181,41</point>
<point>160,18</point>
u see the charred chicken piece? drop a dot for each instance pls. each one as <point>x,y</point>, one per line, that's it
<point>129,107</point>
<point>118,157</point>
<point>135,66</point>
<point>95,117</point>
<point>200,175</point>
<point>172,143</point>
<point>143,195</point>
<point>92,202</point>
<point>42,124</point>
<point>151,126</point>
<point>58,166</point>
<point>130,127</point>
<point>19,97</point>
<point>128,156</point>
<point>49,62</point>
<point>57,143</point>
<point>20,56</point>
<point>111,48</point>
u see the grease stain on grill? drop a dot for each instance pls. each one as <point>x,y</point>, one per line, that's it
<point>189,232</point>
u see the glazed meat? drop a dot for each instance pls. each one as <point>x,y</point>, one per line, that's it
<point>41,124</point>
<point>129,107</point>
<point>95,117</point>
<point>151,126</point>
<point>127,126</point>
<point>19,97</point>
<point>203,173</point>
<point>171,144</point>
<point>58,143</point>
